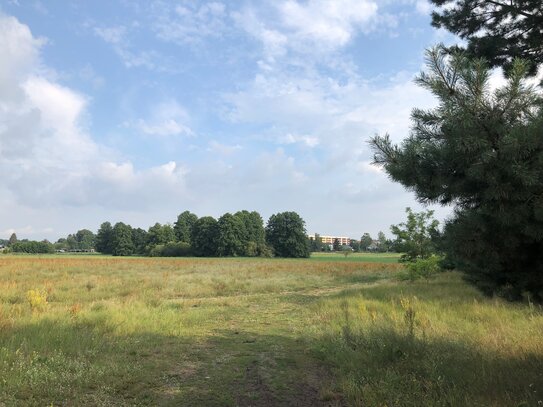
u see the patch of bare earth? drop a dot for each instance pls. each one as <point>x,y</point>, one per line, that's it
<point>306,393</point>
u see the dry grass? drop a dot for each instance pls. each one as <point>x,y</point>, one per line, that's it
<point>141,331</point>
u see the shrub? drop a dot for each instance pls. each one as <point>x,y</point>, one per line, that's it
<point>421,268</point>
<point>172,249</point>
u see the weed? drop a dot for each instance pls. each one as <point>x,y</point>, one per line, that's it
<point>37,299</point>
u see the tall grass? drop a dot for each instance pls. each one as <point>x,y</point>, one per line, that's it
<point>138,331</point>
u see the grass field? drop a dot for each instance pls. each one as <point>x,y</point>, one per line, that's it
<point>257,332</point>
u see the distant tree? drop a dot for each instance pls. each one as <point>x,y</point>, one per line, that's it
<point>204,237</point>
<point>254,242</point>
<point>315,243</point>
<point>383,242</point>
<point>61,244</point>
<point>139,238</point>
<point>336,245</point>
<point>232,236</point>
<point>286,234</point>
<point>160,234</point>
<point>183,226</point>
<point>365,241</point>
<point>103,238</point>
<point>355,244</point>
<point>12,239</point>
<point>121,240</point>
<point>32,247</point>
<point>498,31</point>
<point>346,250</point>
<point>71,241</point>
<point>417,235</point>
<point>86,240</point>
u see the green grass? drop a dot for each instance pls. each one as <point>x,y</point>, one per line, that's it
<point>361,257</point>
<point>227,332</point>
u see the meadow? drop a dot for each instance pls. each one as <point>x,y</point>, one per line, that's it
<point>326,331</point>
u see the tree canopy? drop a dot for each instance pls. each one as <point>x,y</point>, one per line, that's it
<point>480,150</point>
<point>204,236</point>
<point>103,238</point>
<point>286,234</point>
<point>231,236</point>
<point>121,240</point>
<point>497,30</point>
<point>416,236</point>
<point>183,226</point>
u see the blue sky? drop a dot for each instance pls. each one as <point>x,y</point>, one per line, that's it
<point>136,111</point>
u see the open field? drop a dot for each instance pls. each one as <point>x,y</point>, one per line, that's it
<point>257,332</point>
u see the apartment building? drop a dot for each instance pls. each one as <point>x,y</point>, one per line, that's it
<point>344,241</point>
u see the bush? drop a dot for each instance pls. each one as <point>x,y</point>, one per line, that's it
<point>422,268</point>
<point>32,247</point>
<point>172,249</point>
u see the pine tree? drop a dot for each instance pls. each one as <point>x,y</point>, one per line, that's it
<point>499,30</point>
<point>481,151</point>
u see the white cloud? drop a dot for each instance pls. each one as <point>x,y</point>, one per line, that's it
<point>188,22</point>
<point>167,119</point>
<point>223,149</point>
<point>112,35</point>
<point>48,157</point>
<point>423,7</point>
<point>118,38</point>
<point>330,23</point>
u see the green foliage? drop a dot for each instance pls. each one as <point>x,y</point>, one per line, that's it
<point>253,235</point>
<point>232,236</point>
<point>498,31</point>
<point>315,243</point>
<point>139,238</point>
<point>172,249</point>
<point>422,268</point>
<point>286,234</point>
<point>383,242</point>
<point>160,234</point>
<point>415,237</point>
<point>12,239</point>
<point>103,238</point>
<point>204,237</point>
<point>355,244</point>
<point>336,246</point>
<point>85,239</point>
<point>183,226</point>
<point>365,241</point>
<point>32,247</point>
<point>121,240</point>
<point>481,151</point>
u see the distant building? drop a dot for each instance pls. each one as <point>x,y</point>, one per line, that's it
<point>343,241</point>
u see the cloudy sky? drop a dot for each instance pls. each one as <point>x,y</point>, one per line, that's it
<point>136,111</point>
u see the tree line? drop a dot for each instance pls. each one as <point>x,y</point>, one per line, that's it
<point>240,234</point>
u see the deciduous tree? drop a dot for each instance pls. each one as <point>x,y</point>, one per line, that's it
<point>204,237</point>
<point>286,234</point>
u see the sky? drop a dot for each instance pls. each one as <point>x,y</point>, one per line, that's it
<point>136,111</point>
